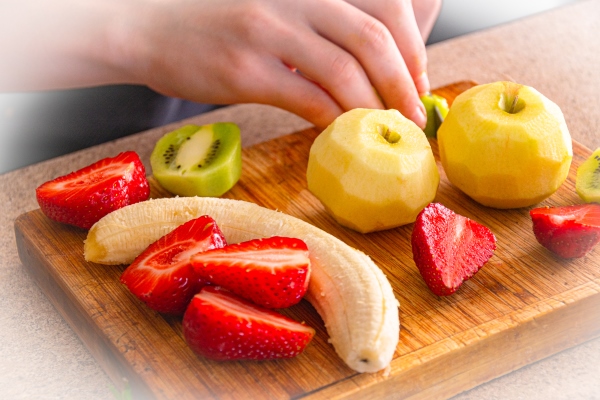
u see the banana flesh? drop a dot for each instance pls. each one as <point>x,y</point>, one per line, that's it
<point>350,293</point>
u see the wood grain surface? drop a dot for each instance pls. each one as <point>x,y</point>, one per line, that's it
<point>525,304</point>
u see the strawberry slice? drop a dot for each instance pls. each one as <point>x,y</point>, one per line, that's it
<point>569,231</point>
<point>162,276</point>
<point>449,248</point>
<point>273,272</point>
<point>222,326</point>
<point>82,197</point>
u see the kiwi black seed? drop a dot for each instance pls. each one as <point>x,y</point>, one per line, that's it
<point>214,147</point>
<point>169,154</point>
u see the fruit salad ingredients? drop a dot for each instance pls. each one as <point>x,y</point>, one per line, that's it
<point>199,160</point>
<point>437,108</point>
<point>351,294</point>
<point>272,272</point>
<point>222,326</point>
<point>162,276</point>
<point>568,231</point>
<point>505,145</point>
<point>587,183</point>
<point>372,170</point>
<point>449,248</point>
<point>83,197</point>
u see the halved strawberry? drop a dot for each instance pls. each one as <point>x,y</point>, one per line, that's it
<point>449,248</point>
<point>82,197</point>
<point>570,231</point>
<point>222,326</point>
<point>273,272</point>
<point>162,276</point>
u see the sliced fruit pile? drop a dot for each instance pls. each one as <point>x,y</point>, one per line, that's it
<point>229,321</point>
<point>350,293</point>
<point>273,272</point>
<point>82,197</point>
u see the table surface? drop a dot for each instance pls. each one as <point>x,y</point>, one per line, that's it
<point>557,52</point>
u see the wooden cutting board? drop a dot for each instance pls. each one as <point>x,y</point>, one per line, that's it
<point>525,304</point>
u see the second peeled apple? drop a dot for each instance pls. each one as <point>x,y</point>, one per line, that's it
<point>372,170</point>
<point>505,145</point>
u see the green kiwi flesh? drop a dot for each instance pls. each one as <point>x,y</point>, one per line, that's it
<point>587,183</point>
<point>434,120</point>
<point>198,160</point>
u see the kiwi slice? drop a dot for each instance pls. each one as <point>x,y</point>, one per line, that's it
<point>437,109</point>
<point>198,160</point>
<point>587,183</point>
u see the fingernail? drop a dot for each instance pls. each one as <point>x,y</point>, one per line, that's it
<point>419,116</point>
<point>422,83</point>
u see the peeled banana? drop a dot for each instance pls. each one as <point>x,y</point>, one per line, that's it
<point>352,295</point>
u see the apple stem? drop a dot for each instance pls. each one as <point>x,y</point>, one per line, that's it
<point>389,135</point>
<point>512,103</point>
<point>511,110</point>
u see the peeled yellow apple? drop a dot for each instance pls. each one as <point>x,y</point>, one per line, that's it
<point>505,145</point>
<point>372,170</point>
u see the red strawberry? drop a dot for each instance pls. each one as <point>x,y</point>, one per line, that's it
<point>449,248</point>
<point>569,231</point>
<point>162,276</point>
<point>222,326</point>
<point>83,197</point>
<point>272,272</point>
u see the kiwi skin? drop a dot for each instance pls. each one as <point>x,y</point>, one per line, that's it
<point>587,183</point>
<point>213,174</point>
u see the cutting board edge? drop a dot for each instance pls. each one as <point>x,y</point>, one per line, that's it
<point>120,372</point>
<point>554,331</point>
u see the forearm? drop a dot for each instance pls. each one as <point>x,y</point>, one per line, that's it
<point>55,44</point>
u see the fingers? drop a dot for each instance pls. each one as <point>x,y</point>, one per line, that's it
<point>342,51</point>
<point>333,68</point>
<point>282,87</point>
<point>372,44</point>
<point>304,98</point>
<point>403,27</point>
<point>243,62</point>
<point>399,17</point>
